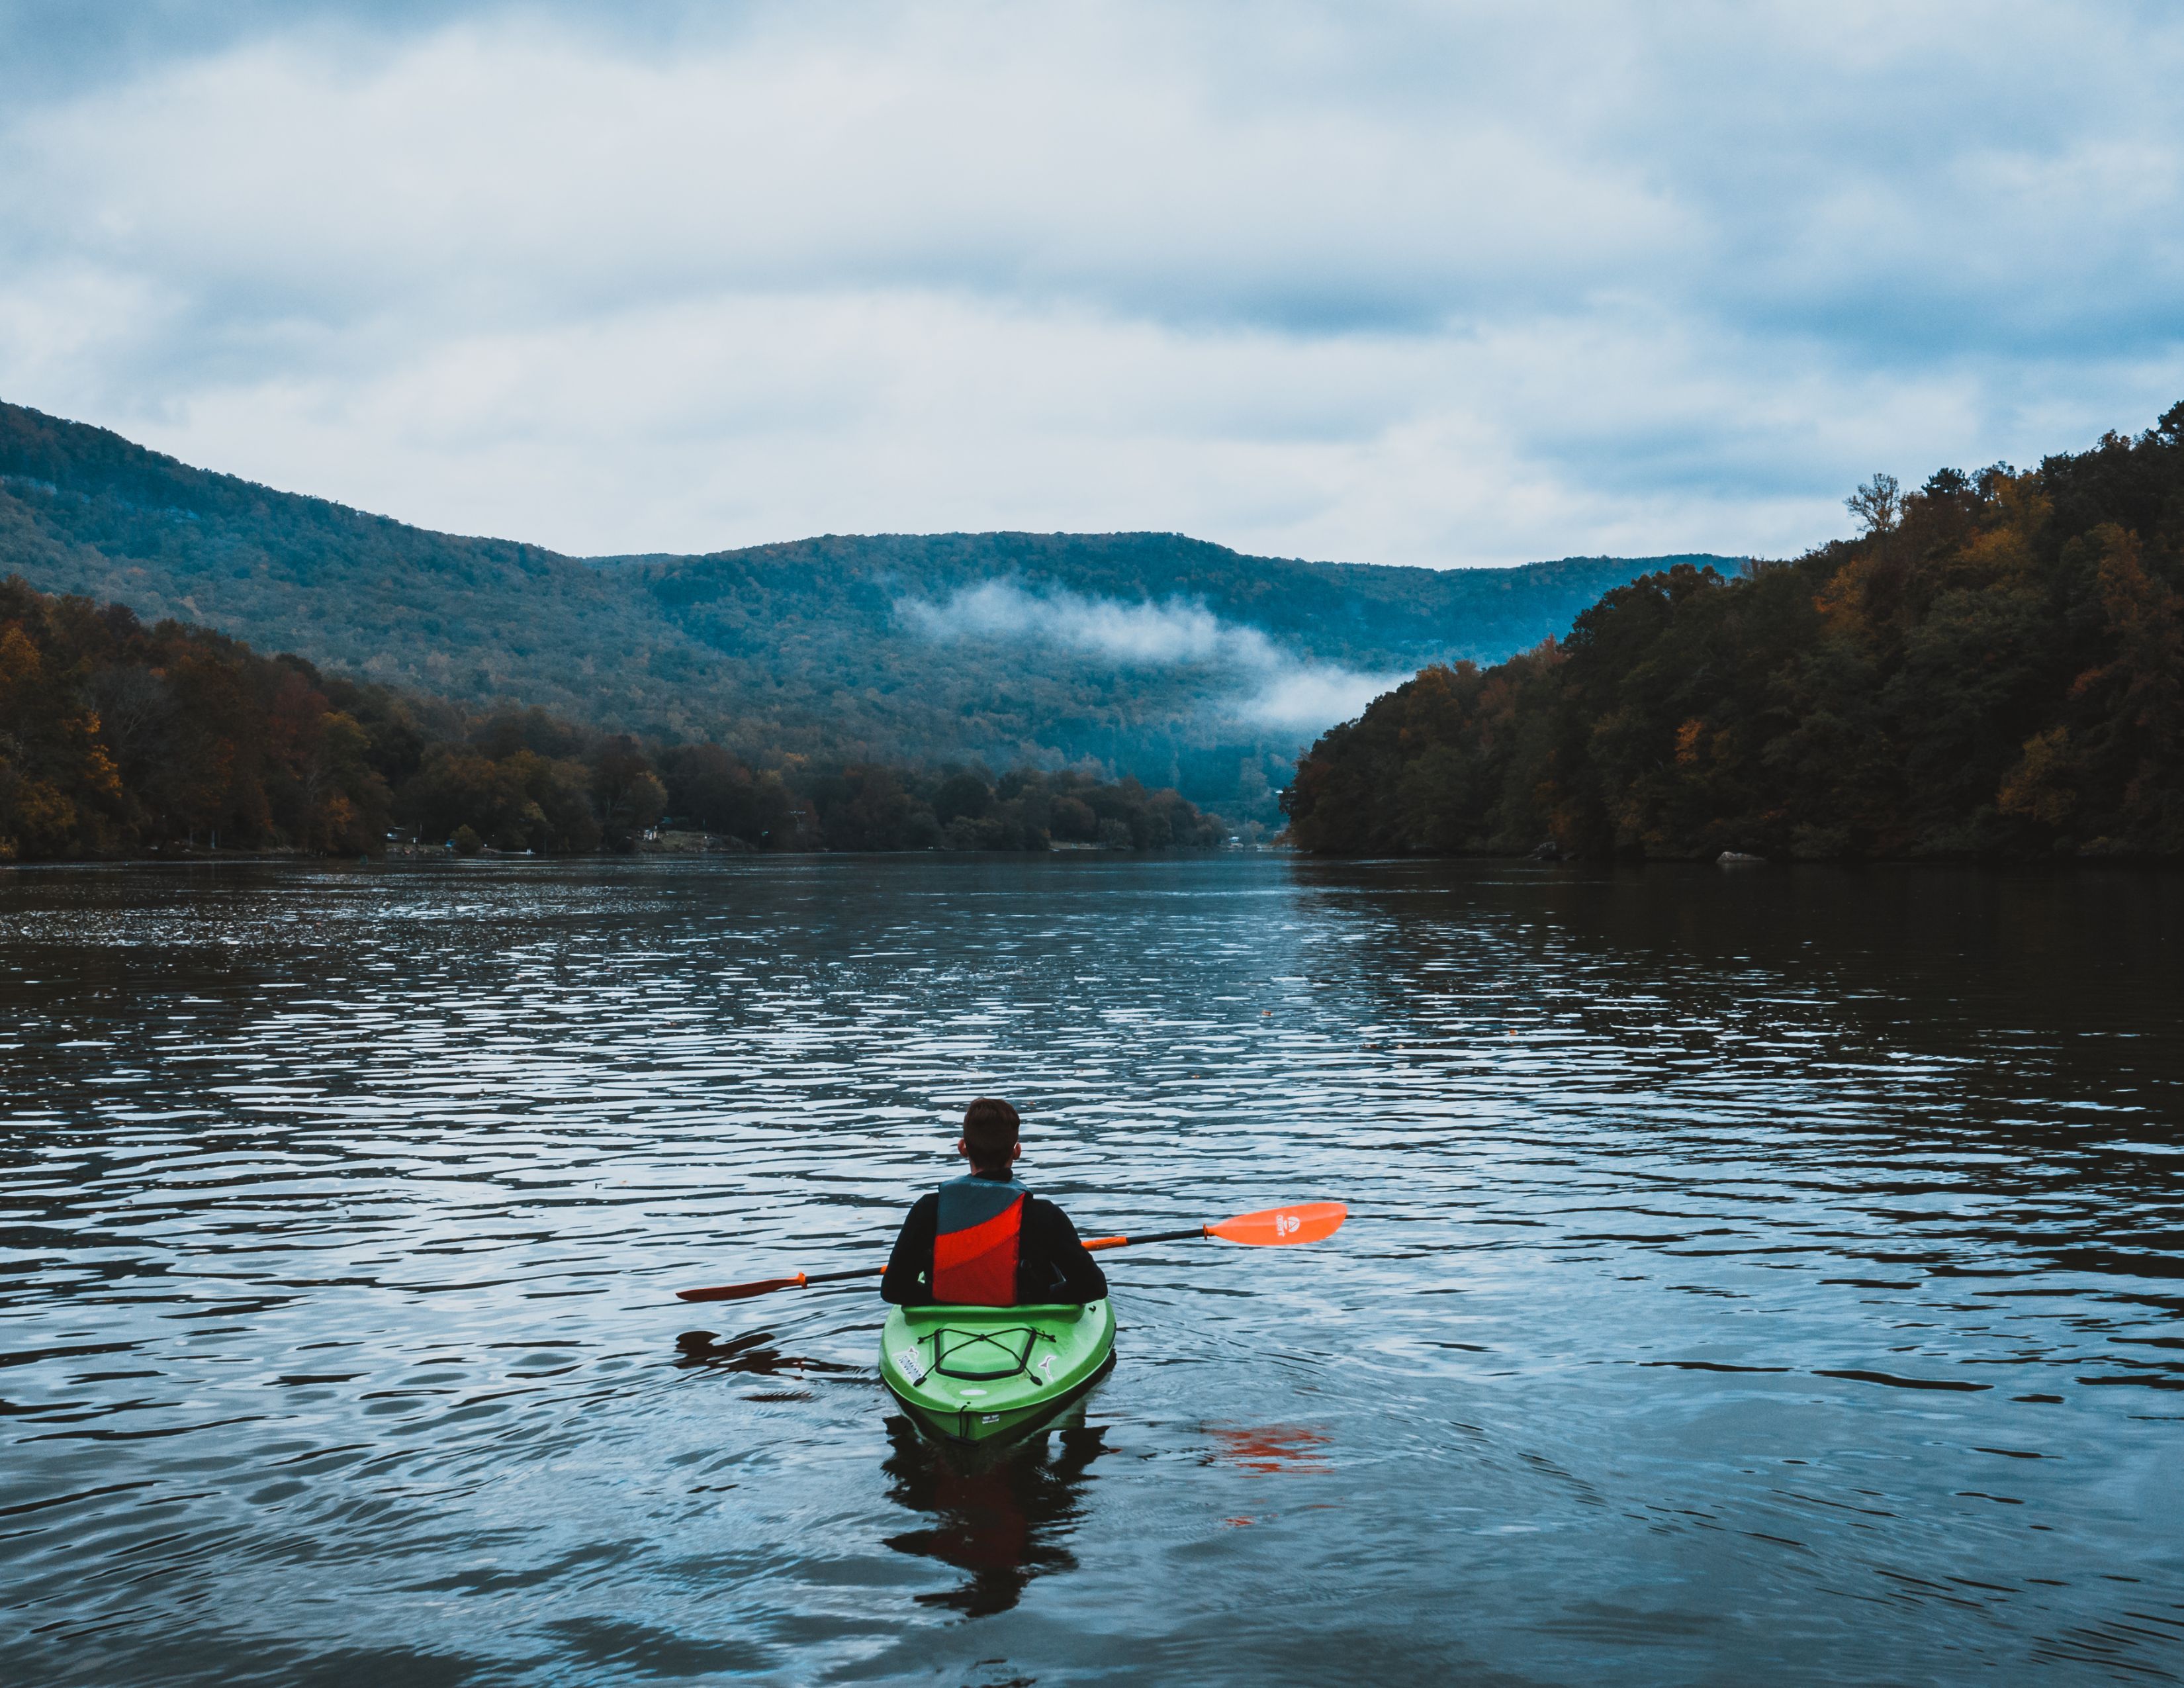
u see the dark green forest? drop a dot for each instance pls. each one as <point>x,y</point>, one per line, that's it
<point>805,648</point>
<point>118,738</point>
<point>1994,668</point>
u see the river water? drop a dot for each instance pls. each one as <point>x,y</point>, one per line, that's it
<point>1767,1274</point>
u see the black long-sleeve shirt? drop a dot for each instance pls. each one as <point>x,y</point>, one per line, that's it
<point>1052,1262</point>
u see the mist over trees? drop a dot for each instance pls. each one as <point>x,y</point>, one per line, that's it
<point>1993,668</point>
<point>837,648</point>
<point>117,738</point>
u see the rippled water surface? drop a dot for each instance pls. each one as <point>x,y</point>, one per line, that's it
<point>1763,1275</point>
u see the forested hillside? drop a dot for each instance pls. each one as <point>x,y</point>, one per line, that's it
<point>117,738</point>
<point>1995,667</point>
<point>1179,661</point>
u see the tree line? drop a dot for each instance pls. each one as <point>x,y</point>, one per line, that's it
<point>119,739</point>
<point>817,647</point>
<point>1992,668</point>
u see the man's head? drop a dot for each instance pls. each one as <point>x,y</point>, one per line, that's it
<point>989,1135</point>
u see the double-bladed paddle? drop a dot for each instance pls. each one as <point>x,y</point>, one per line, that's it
<point>1307,1221</point>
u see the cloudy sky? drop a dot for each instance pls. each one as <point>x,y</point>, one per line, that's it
<point>1440,284</point>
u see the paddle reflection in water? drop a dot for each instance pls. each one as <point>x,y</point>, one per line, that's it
<point>1000,1514</point>
<point>1270,1451</point>
<point>753,1352</point>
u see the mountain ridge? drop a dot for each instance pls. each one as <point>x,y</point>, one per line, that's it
<point>1154,655</point>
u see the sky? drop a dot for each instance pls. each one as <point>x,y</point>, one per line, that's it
<point>1450,284</point>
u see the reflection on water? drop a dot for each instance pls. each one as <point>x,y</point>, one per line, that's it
<point>1755,1277</point>
<point>1271,1450</point>
<point>1002,1515</point>
<point>753,1352</point>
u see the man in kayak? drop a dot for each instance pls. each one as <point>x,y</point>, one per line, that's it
<point>985,1240</point>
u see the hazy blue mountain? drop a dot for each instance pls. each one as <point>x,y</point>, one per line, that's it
<point>1180,661</point>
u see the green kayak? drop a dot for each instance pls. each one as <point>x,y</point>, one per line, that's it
<point>978,1374</point>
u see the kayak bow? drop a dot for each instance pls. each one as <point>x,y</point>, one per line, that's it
<point>980,1374</point>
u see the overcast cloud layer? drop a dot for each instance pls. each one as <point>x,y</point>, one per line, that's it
<point>1444,285</point>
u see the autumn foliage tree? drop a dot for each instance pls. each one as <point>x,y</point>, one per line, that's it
<point>113,735</point>
<point>115,739</point>
<point>1994,667</point>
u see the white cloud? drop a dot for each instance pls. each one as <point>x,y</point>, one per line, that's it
<point>1245,675</point>
<point>1437,284</point>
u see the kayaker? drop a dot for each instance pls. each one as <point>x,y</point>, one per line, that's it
<point>985,1240</point>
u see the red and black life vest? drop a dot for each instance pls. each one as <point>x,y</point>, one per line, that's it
<point>974,1246</point>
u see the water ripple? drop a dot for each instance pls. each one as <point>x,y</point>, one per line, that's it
<point>1769,1274</point>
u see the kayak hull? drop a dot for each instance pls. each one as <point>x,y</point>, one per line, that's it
<point>984,1374</point>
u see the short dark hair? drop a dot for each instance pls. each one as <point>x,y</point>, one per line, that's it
<point>989,1128</point>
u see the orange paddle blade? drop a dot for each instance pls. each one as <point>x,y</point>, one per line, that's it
<point>741,1292</point>
<point>1091,1242</point>
<point>1309,1222</point>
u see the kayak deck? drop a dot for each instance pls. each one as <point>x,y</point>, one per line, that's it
<point>977,1374</point>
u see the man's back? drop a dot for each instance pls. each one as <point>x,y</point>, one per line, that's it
<point>985,1240</point>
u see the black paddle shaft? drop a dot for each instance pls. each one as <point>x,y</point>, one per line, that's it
<point>877,1271</point>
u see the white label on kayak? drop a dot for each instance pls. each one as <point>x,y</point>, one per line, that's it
<point>974,1392</point>
<point>1045,1368</point>
<point>991,1418</point>
<point>913,1367</point>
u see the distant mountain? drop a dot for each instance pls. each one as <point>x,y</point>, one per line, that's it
<point>1179,661</point>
